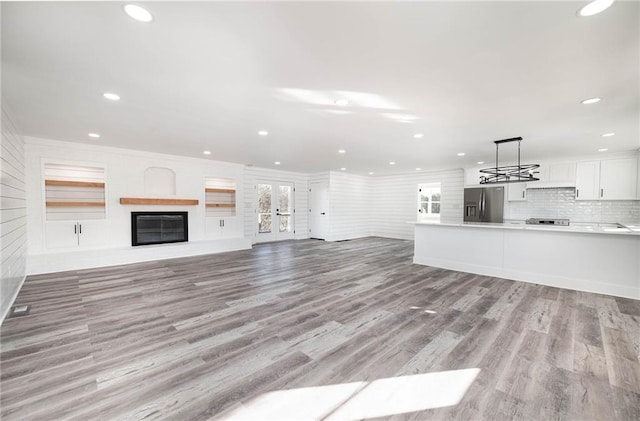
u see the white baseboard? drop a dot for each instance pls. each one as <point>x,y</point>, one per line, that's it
<point>5,312</point>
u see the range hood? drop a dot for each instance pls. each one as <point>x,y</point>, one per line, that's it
<point>552,185</point>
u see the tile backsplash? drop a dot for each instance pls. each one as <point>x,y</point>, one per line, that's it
<point>561,203</point>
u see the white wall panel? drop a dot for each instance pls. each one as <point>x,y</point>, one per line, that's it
<point>300,181</point>
<point>396,201</point>
<point>13,214</point>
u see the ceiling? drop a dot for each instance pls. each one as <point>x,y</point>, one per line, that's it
<point>208,76</point>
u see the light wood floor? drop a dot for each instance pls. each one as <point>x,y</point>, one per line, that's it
<point>201,337</point>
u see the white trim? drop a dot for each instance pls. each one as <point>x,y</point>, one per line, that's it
<point>13,300</point>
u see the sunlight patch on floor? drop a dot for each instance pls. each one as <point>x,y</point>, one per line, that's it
<point>360,400</point>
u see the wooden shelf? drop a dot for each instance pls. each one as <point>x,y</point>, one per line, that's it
<point>74,204</point>
<point>72,183</point>
<point>220,205</point>
<point>210,190</point>
<point>147,201</point>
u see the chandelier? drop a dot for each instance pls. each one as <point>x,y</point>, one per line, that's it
<point>509,173</point>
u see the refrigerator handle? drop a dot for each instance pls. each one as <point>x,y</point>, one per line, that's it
<point>482,205</point>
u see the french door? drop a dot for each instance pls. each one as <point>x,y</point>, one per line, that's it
<point>275,211</point>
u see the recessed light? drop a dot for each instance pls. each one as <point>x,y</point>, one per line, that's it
<point>480,162</point>
<point>461,154</point>
<point>392,163</point>
<point>590,101</point>
<point>277,162</point>
<point>418,136</point>
<point>595,7</point>
<point>342,102</point>
<point>263,133</point>
<point>418,169</point>
<point>608,134</point>
<point>111,96</point>
<point>138,13</point>
<point>206,152</point>
<point>94,135</point>
<point>603,150</point>
<point>371,173</point>
<point>343,169</point>
<point>341,151</point>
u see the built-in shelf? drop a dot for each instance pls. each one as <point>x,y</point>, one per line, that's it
<point>220,197</point>
<point>210,190</point>
<point>66,183</point>
<point>155,201</point>
<point>221,205</point>
<point>74,204</point>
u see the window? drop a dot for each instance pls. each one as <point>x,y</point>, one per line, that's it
<point>429,199</point>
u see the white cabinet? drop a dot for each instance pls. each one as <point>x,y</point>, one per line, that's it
<point>222,227</point>
<point>75,234</point>
<point>609,179</point>
<point>618,179</point>
<point>588,180</point>
<point>561,172</point>
<point>517,192</point>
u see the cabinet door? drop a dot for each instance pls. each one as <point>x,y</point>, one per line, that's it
<point>229,227</point>
<point>93,233</point>
<point>562,171</point>
<point>213,227</point>
<point>618,178</point>
<point>588,180</point>
<point>61,234</point>
<point>517,192</point>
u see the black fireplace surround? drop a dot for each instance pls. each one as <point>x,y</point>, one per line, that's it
<point>159,227</point>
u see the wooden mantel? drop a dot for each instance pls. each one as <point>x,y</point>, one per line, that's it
<point>157,201</point>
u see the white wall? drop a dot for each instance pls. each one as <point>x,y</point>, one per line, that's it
<point>252,176</point>
<point>13,229</point>
<point>350,206</point>
<point>396,201</point>
<point>125,177</point>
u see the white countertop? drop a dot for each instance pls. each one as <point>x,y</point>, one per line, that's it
<point>632,229</point>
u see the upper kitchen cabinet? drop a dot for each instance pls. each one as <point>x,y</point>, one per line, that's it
<point>517,192</point>
<point>609,179</point>
<point>618,179</point>
<point>588,180</point>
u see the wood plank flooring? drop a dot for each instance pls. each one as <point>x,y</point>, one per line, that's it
<point>315,330</point>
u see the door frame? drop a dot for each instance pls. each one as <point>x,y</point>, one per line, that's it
<point>311,210</point>
<point>275,235</point>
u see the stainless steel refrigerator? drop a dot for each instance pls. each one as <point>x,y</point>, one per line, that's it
<point>484,204</point>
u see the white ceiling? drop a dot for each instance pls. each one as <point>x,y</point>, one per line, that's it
<point>210,75</point>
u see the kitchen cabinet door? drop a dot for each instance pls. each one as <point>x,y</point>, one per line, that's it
<point>588,180</point>
<point>618,179</point>
<point>561,172</point>
<point>517,192</point>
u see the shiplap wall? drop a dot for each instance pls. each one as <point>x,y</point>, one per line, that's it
<point>301,199</point>
<point>350,206</point>
<point>13,214</point>
<point>395,201</point>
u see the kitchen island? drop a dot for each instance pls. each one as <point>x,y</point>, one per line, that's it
<point>586,258</point>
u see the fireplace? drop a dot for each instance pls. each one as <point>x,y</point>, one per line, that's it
<point>159,228</point>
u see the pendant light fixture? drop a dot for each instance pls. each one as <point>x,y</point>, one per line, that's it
<point>509,173</point>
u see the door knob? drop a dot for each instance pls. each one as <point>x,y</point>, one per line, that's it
<point>321,213</point>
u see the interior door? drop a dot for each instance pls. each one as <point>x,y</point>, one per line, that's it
<point>275,211</point>
<point>319,210</point>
